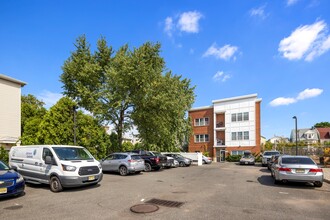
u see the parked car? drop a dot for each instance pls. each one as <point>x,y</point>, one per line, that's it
<point>247,159</point>
<point>175,163</point>
<point>271,161</point>
<point>11,182</point>
<point>170,162</point>
<point>206,160</point>
<point>183,161</point>
<point>267,155</point>
<point>152,160</point>
<point>123,163</point>
<point>297,169</point>
<point>59,166</point>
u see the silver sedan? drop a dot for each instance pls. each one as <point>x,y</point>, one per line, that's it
<point>297,169</point>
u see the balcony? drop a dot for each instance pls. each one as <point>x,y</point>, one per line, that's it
<point>220,142</point>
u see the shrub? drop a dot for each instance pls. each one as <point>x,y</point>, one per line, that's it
<point>233,158</point>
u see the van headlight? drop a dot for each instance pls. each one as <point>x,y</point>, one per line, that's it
<point>19,179</point>
<point>68,168</point>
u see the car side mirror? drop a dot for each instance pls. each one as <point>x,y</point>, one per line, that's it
<point>48,160</point>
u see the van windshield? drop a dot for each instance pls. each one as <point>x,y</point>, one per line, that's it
<point>72,153</point>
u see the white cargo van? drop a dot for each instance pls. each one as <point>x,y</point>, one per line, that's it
<point>57,165</point>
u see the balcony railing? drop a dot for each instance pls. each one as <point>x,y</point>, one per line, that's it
<point>220,124</point>
<point>220,142</point>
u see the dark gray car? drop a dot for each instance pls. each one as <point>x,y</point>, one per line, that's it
<point>124,163</point>
<point>183,161</point>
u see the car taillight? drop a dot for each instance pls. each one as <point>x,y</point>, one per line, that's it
<point>155,159</point>
<point>284,169</point>
<point>131,161</point>
<point>316,170</point>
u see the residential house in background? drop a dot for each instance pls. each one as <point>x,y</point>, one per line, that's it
<point>324,134</point>
<point>10,111</point>
<point>228,126</point>
<point>279,139</point>
<point>306,135</point>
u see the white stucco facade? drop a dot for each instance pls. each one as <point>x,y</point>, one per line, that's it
<point>10,110</point>
<point>237,105</point>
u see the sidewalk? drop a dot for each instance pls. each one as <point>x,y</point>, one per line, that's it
<point>326,172</point>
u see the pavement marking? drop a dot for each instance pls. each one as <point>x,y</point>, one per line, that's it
<point>285,193</point>
<point>142,200</point>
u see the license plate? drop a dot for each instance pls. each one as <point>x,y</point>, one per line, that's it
<point>300,171</point>
<point>90,178</point>
<point>3,190</point>
<point>246,162</point>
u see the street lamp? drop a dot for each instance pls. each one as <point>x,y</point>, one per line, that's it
<point>295,118</point>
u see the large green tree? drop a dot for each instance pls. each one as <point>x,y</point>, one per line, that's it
<point>32,113</point>
<point>322,125</point>
<point>57,127</point>
<point>129,87</point>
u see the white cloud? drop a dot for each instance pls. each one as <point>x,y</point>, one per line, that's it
<point>169,26</point>
<point>306,94</point>
<point>49,98</point>
<point>291,2</point>
<point>221,76</point>
<point>308,42</point>
<point>282,101</point>
<point>188,21</point>
<point>309,93</point>
<point>258,12</point>
<point>226,52</point>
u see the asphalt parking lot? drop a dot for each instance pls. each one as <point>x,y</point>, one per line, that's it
<point>216,191</point>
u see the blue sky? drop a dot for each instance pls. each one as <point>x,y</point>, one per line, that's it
<point>277,49</point>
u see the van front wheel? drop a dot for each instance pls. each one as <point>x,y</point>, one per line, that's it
<point>55,184</point>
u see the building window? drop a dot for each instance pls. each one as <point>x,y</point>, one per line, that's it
<point>246,135</point>
<point>240,135</point>
<point>201,138</point>
<point>240,116</point>
<point>233,136</point>
<point>233,117</point>
<point>201,121</point>
<point>237,152</point>
<point>246,116</point>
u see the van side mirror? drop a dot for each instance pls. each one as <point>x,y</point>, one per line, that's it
<point>48,160</point>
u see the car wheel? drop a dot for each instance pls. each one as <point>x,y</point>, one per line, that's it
<point>147,167</point>
<point>123,171</point>
<point>318,184</point>
<point>55,184</point>
<point>181,164</point>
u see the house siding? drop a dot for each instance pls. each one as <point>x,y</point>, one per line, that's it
<point>10,111</point>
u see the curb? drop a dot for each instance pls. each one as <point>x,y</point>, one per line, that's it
<point>326,180</point>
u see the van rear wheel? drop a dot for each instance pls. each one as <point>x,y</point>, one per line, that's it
<point>55,184</point>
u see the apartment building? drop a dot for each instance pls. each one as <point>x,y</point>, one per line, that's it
<point>228,126</point>
<point>10,111</point>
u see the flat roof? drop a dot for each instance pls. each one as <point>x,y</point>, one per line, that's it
<point>237,98</point>
<point>200,108</point>
<point>7,78</point>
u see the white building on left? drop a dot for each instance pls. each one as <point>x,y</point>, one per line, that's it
<point>10,111</point>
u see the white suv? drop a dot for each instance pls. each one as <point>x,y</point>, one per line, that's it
<point>267,155</point>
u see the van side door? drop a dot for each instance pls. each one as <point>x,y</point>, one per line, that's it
<point>46,168</point>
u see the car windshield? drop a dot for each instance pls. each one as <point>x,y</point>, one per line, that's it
<point>3,166</point>
<point>156,153</point>
<point>72,153</point>
<point>271,153</point>
<point>297,160</point>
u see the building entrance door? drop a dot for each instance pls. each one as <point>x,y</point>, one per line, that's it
<point>218,155</point>
<point>222,155</point>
